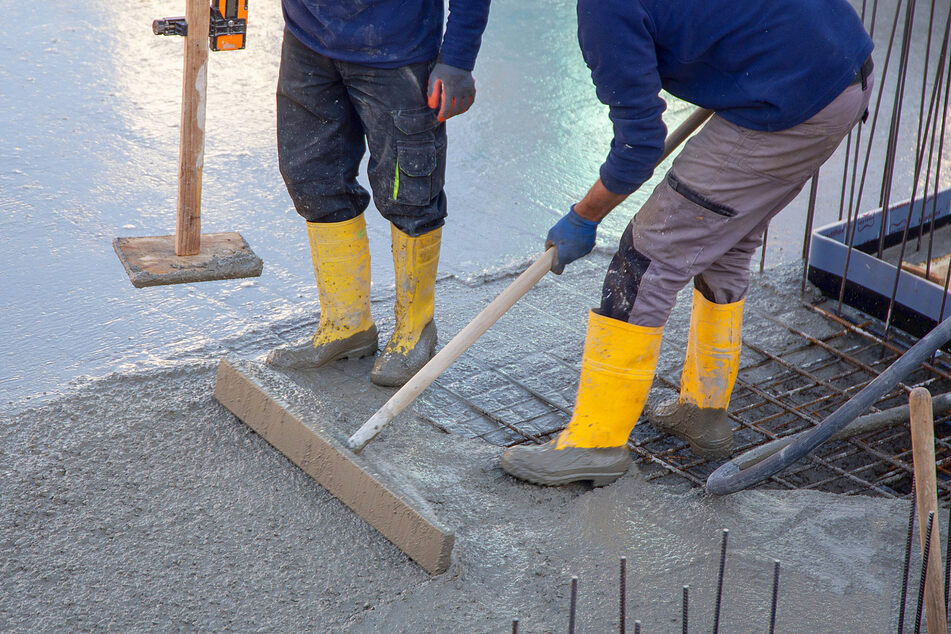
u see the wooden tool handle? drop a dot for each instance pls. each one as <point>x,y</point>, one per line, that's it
<point>685,129</point>
<point>926,491</point>
<point>445,357</point>
<point>468,335</point>
<point>191,150</point>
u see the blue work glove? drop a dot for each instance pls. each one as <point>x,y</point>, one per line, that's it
<point>451,90</point>
<point>572,237</point>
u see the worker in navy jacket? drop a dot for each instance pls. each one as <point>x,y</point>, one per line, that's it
<point>787,80</point>
<point>377,74</point>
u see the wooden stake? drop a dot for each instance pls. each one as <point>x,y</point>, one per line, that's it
<point>192,144</point>
<point>922,444</point>
<point>187,256</point>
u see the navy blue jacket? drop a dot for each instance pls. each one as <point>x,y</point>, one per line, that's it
<point>761,64</point>
<point>389,33</point>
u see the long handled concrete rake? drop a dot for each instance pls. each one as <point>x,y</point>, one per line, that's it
<point>296,423</point>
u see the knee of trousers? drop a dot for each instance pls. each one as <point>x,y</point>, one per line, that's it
<point>321,183</point>
<point>724,286</point>
<point>637,289</point>
<point>316,203</point>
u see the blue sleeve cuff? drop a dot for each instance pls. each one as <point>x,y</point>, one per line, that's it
<point>616,185</point>
<point>466,63</point>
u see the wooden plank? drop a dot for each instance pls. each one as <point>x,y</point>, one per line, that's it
<point>274,407</point>
<point>935,271</point>
<point>926,491</point>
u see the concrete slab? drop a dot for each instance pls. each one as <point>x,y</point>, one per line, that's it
<point>151,261</point>
<point>138,502</point>
<point>288,417</point>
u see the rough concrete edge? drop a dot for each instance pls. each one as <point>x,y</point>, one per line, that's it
<point>238,270</point>
<point>134,273</point>
<point>409,526</point>
<point>239,266</point>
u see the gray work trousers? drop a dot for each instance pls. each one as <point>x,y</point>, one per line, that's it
<point>708,215</point>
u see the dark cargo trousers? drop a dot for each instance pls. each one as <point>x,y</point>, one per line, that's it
<point>329,111</point>
<point>707,217</point>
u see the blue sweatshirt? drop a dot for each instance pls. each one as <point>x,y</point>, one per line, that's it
<point>389,33</point>
<point>761,64</point>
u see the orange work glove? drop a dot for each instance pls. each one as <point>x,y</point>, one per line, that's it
<point>451,90</point>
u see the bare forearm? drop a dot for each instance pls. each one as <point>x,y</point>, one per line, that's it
<point>598,202</point>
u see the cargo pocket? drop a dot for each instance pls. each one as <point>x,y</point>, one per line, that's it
<point>674,231</point>
<point>697,199</point>
<point>416,177</point>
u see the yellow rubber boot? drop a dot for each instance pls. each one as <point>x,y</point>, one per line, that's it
<point>414,337</point>
<point>341,255</point>
<point>699,414</point>
<point>617,369</point>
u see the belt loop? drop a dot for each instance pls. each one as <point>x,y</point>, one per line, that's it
<point>866,71</point>
<point>867,67</point>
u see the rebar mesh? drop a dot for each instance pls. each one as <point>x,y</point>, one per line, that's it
<point>775,396</point>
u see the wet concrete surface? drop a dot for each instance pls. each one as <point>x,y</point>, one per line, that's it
<point>136,502</point>
<point>89,153</point>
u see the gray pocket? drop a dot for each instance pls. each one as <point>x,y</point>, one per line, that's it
<point>416,171</point>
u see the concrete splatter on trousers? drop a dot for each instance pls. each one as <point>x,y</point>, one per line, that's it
<point>707,217</point>
<point>329,112</point>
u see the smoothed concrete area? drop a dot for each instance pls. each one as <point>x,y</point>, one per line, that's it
<point>137,502</point>
<point>91,150</point>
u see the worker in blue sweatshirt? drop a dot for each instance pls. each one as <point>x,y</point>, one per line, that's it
<point>787,79</point>
<point>377,74</point>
